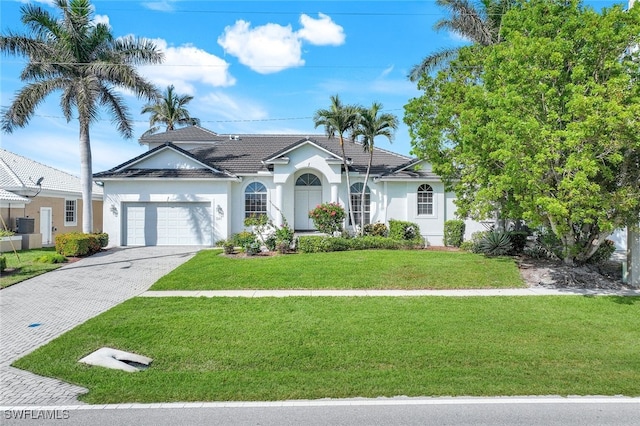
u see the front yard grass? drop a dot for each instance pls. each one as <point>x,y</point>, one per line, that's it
<point>364,269</point>
<point>25,267</point>
<point>297,348</point>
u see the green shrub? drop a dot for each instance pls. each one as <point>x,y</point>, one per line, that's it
<point>103,239</point>
<point>284,238</point>
<point>270,242</point>
<point>518,241</point>
<point>328,218</point>
<point>227,246</point>
<point>50,258</point>
<point>467,245</point>
<point>76,244</point>
<point>6,233</point>
<point>496,244</point>
<point>243,238</point>
<point>252,248</point>
<point>407,231</point>
<point>551,243</point>
<point>603,253</point>
<point>376,230</point>
<point>3,263</point>
<point>316,244</point>
<point>453,232</point>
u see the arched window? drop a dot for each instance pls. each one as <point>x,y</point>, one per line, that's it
<point>425,199</point>
<point>356,198</point>
<point>255,200</point>
<point>308,179</point>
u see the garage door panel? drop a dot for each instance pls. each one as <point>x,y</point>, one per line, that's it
<point>169,224</point>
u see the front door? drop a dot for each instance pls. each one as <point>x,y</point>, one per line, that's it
<point>46,225</point>
<point>308,195</point>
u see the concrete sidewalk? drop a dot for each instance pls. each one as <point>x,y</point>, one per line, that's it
<point>530,291</point>
<point>38,310</point>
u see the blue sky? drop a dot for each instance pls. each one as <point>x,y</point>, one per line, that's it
<point>252,67</point>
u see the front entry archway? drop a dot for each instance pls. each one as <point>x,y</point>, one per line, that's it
<point>308,194</point>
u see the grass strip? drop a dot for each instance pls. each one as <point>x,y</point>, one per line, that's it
<point>365,269</point>
<point>291,348</point>
<point>26,267</point>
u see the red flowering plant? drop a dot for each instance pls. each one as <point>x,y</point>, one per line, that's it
<point>328,217</point>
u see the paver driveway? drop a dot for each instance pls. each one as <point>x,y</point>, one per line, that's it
<point>62,299</point>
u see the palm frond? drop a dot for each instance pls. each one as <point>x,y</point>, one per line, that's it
<point>431,63</point>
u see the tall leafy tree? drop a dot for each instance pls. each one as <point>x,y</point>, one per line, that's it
<point>372,123</point>
<point>479,23</point>
<point>169,110</point>
<point>549,116</point>
<point>80,58</point>
<point>338,120</point>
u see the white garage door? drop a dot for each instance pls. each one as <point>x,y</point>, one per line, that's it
<point>168,224</point>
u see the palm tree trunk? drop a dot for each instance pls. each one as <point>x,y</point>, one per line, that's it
<point>346,171</point>
<point>364,191</point>
<point>86,176</point>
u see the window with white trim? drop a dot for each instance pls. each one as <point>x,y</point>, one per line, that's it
<point>255,200</point>
<point>70,212</point>
<point>356,199</point>
<point>425,200</point>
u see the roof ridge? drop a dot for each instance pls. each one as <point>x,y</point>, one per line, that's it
<point>41,164</point>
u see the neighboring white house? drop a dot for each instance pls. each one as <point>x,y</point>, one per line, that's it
<point>195,187</point>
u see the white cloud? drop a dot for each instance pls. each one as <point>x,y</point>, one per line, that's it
<point>321,31</point>
<point>386,71</point>
<point>272,47</point>
<point>102,19</point>
<point>186,65</point>
<point>265,49</point>
<point>160,6</point>
<point>224,107</point>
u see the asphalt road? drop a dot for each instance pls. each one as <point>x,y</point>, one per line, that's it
<point>495,412</point>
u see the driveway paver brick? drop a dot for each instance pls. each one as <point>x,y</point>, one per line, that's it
<point>36,311</point>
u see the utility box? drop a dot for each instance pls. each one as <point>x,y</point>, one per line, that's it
<point>31,241</point>
<point>26,225</point>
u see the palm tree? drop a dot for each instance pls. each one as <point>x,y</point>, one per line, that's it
<point>169,110</point>
<point>83,60</point>
<point>338,120</point>
<point>480,24</point>
<point>372,124</point>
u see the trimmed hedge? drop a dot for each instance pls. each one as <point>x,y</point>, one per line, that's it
<point>77,244</point>
<point>317,244</point>
<point>3,263</point>
<point>405,231</point>
<point>453,233</point>
<point>103,239</point>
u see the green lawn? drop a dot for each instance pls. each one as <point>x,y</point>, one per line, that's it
<point>26,267</point>
<point>290,348</point>
<point>365,269</point>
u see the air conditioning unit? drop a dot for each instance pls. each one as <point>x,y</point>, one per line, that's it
<point>26,225</point>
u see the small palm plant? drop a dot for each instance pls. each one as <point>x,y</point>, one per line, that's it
<point>496,244</point>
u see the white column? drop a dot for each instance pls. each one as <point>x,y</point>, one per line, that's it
<point>279,204</point>
<point>633,257</point>
<point>334,192</point>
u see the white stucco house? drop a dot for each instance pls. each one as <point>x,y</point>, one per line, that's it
<point>195,187</point>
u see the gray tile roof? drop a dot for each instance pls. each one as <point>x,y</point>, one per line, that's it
<point>162,173</point>
<point>185,134</point>
<point>21,173</point>
<point>245,153</point>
